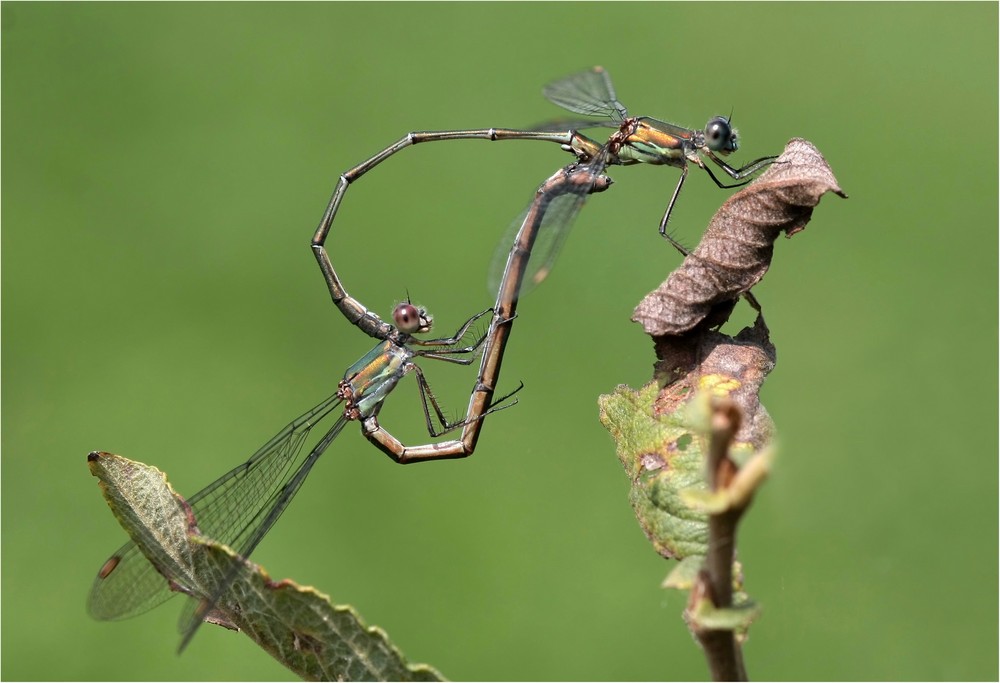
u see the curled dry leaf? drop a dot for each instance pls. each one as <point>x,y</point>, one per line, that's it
<point>736,249</point>
<point>730,367</point>
<point>662,445</point>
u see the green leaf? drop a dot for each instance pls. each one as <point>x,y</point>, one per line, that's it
<point>662,456</point>
<point>661,431</point>
<point>297,625</point>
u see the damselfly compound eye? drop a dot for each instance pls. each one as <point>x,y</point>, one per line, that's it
<point>409,319</point>
<point>720,136</point>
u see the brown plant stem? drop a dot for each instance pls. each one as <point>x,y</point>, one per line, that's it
<point>715,580</point>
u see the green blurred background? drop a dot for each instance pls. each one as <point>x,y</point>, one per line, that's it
<point>165,165</point>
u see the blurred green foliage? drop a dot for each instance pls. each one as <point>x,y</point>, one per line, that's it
<point>165,165</point>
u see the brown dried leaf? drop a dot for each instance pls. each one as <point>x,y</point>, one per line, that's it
<point>736,249</point>
<point>735,367</point>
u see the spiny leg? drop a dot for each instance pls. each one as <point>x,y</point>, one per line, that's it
<point>457,337</point>
<point>666,215</point>
<point>395,449</point>
<point>737,173</point>
<point>430,401</point>
<point>447,450</point>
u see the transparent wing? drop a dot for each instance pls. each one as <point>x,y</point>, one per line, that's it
<point>131,586</point>
<point>588,92</point>
<point>560,124</point>
<point>226,510</point>
<point>552,230</point>
<point>255,528</point>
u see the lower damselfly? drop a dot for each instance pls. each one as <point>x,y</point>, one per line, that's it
<point>240,507</point>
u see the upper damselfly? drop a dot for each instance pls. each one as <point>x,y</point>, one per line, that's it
<point>636,140</point>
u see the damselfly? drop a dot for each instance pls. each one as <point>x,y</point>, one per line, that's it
<point>636,140</point>
<point>240,507</point>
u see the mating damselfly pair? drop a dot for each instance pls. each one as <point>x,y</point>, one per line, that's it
<point>240,507</point>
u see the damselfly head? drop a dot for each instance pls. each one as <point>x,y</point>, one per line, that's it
<point>411,319</point>
<point>720,136</point>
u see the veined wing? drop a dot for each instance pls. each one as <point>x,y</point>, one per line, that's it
<point>254,530</point>
<point>568,123</point>
<point>588,92</point>
<point>128,583</point>
<point>559,216</point>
